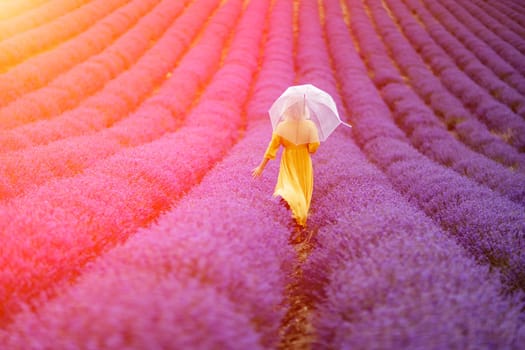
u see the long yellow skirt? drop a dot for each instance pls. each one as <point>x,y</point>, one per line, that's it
<point>295,181</point>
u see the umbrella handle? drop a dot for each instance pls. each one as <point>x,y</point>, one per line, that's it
<point>346,124</point>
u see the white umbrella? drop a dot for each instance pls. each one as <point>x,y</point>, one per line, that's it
<point>301,103</point>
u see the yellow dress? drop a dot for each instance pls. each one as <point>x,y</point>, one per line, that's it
<point>295,180</point>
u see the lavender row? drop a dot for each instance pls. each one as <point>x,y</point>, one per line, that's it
<point>36,16</point>
<point>172,313</point>
<point>71,88</point>
<point>487,53</point>
<point>409,289</point>
<point>158,115</point>
<point>17,8</point>
<point>206,255</point>
<point>470,131</point>
<point>313,64</point>
<point>430,89</point>
<point>515,16</point>
<point>499,14</point>
<point>489,226</point>
<point>115,197</point>
<point>505,50</point>
<point>222,237</point>
<point>115,100</point>
<point>277,69</point>
<point>486,19</point>
<point>351,200</point>
<point>186,247</point>
<point>463,58</point>
<point>18,48</point>
<point>516,5</point>
<point>425,131</point>
<point>39,69</point>
<point>432,139</point>
<point>440,94</point>
<point>384,275</point>
<point>428,133</point>
<point>498,117</point>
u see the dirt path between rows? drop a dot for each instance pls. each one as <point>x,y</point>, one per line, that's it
<point>297,331</point>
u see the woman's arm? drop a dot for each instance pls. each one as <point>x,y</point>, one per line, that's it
<point>270,153</point>
<point>259,169</point>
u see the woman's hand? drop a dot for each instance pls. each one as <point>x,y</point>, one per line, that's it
<point>256,172</point>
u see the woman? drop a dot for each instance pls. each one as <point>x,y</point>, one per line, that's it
<point>299,138</point>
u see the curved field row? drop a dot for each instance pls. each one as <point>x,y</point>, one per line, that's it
<point>502,17</point>
<point>19,48</point>
<point>101,135</point>
<point>197,249</point>
<point>471,212</point>
<point>176,262</point>
<point>463,58</point>
<point>444,104</point>
<point>498,117</point>
<point>129,219</point>
<point>9,9</point>
<point>417,119</point>
<point>375,248</point>
<point>39,69</point>
<point>36,16</point>
<point>509,12</point>
<point>493,25</point>
<point>502,48</point>
<point>127,190</point>
<point>485,53</point>
<point>119,60</point>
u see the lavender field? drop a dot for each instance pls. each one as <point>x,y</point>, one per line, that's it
<point>129,218</point>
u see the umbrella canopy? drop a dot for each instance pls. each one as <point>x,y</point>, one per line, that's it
<point>304,113</point>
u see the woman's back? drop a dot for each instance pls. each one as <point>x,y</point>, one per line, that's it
<point>297,132</point>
